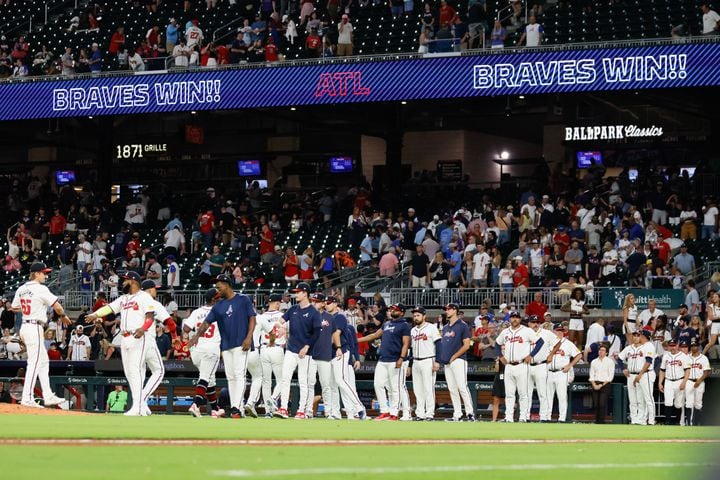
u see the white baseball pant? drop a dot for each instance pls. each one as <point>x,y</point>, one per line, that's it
<point>254,367</point>
<point>153,361</point>
<point>290,363</point>
<point>557,383</point>
<point>694,396</point>
<point>311,381</point>
<point>330,394</point>
<point>640,397</point>
<point>674,397</point>
<point>516,380</point>
<point>132,352</point>
<point>236,363</point>
<point>636,405</point>
<point>38,364</point>
<point>423,378</point>
<point>344,376</point>
<point>538,380</point>
<point>271,359</point>
<point>456,376</point>
<point>206,363</point>
<point>404,395</point>
<point>388,376</point>
<point>646,387</point>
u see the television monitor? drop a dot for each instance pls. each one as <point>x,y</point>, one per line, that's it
<point>633,174</point>
<point>63,177</point>
<point>249,168</point>
<point>690,171</point>
<point>587,159</point>
<point>341,165</point>
<point>263,184</point>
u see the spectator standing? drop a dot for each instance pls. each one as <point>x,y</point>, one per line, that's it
<point>194,35</point>
<point>710,217</point>
<point>136,62</point>
<point>419,268</point>
<point>96,60</point>
<point>533,34</point>
<point>68,62</point>
<point>711,20</point>
<point>181,54</point>
<point>602,373</point>
<point>345,37</point>
<point>172,33</point>
<point>692,298</point>
<point>497,36</point>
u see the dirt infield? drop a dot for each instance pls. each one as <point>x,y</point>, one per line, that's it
<point>323,443</point>
<point>17,409</point>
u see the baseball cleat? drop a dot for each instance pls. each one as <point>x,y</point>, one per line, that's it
<point>145,411</point>
<point>235,413</point>
<point>429,419</point>
<point>31,405</point>
<point>393,418</point>
<point>195,411</point>
<point>308,415</point>
<point>334,417</point>
<point>418,419</point>
<point>382,417</point>
<point>453,419</point>
<point>270,406</point>
<point>406,419</point>
<point>250,411</point>
<point>300,416</point>
<point>281,413</point>
<point>52,401</point>
<point>132,413</point>
<point>470,418</point>
<point>219,413</point>
<point>362,415</point>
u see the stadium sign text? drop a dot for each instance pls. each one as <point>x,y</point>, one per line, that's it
<point>610,132</point>
<point>266,85</point>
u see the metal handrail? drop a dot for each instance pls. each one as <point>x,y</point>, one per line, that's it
<point>221,27</point>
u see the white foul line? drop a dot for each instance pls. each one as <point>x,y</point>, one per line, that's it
<point>297,472</point>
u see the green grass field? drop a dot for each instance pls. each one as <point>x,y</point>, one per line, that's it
<point>596,453</point>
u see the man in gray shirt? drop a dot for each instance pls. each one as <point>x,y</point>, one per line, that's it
<point>692,299</point>
<point>573,258</point>
<point>683,261</point>
<point>68,62</point>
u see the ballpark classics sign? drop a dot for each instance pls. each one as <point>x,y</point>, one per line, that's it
<point>610,132</point>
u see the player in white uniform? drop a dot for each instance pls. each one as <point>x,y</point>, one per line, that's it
<point>137,316</point>
<point>254,368</point>
<point>153,359</point>
<point>695,388</point>
<point>33,300</point>
<point>272,351</point>
<point>638,359</point>
<point>560,370</point>
<point>423,340</point>
<point>205,355</point>
<point>674,373</point>
<point>515,354</point>
<point>538,377</point>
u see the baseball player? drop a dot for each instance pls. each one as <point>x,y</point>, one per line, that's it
<point>322,355</point>
<point>33,299</point>
<point>153,359</point>
<point>137,316</point>
<point>695,388</point>
<point>272,351</point>
<point>349,336</point>
<point>254,367</point>
<point>538,377</point>
<point>561,361</point>
<point>513,347</point>
<point>303,324</point>
<point>205,355</point>
<point>389,372</point>
<point>340,364</point>
<point>424,337</point>
<point>235,318</point>
<point>638,359</point>
<point>674,373</point>
<point>454,344</point>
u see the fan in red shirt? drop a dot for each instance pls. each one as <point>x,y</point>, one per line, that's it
<point>447,13</point>
<point>313,43</point>
<point>267,241</point>
<point>521,277</point>
<point>133,245</point>
<point>180,348</point>
<point>271,51</point>
<point>207,222</point>
<point>223,55</point>
<point>100,302</point>
<point>536,307</point>
<point>562,239</point>
<point>57,224</point>
<point>117,41</point>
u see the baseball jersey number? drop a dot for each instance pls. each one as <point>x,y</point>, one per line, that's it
<point>25,306</point>
<point>210,331</point>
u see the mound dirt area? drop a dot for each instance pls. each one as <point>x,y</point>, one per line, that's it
<point>17,409</point>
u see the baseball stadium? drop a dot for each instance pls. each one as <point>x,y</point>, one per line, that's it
<point>356,238</point>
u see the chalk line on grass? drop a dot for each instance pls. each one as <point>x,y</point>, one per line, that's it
<point>304,472</point>
<point>339,443</point>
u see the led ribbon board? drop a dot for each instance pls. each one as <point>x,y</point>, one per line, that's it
<point>525,72</point>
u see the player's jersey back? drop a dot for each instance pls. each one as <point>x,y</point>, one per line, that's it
<point>210,341</point>
<point>33,300</point>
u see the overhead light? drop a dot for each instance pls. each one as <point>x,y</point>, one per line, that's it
<point>193,112</point>
<point>522,97</point>
<point>504,155</point>
<point>403,102</point>
<point>292,109</point>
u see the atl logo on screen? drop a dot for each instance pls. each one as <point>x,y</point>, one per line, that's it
<point>341,84</point>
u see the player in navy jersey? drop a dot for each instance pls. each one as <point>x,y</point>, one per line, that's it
<point>322,353</point>
<point>454,344</point>
<point>389,371</point>
<point>235,318</point>
<point>303,327</point>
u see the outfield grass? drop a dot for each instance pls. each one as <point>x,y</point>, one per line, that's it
<point>187,427</point>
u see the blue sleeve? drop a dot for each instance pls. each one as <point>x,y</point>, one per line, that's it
<point>339,323</point>
<point>316,326</point>
<point>249,309</point>
<point>466,331</point>
<point>212,316</point>
<point>286,315</point>
<point>353,343</point>
<point>538,346</point>
<point>649,360</point>
<point>498,349</point>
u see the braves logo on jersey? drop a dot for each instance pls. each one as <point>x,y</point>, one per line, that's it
<point>131,305</point>
<point>420,337</point>
<point>515,340</point>
<point>449,334</point>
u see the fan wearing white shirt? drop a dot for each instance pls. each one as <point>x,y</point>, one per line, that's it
<point>602,372</point>
<point>595,333</point>
<point>532,35</point>
<point>652,312</point>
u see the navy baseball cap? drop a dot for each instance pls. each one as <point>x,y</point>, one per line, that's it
<point>419,309</point>
<point>453,305</point>
<point>130,275</point>
<point>317,297</point>
<point>274,297</point>
<point>397,306</point>
<point>146,284</point>
<point>223,278</point>
<point>170,257</point>
<point>671,342</point>
<point>533,318</point>
<point>302,287</point>
<point>646,333</point>
<point>558,327</point>
<point>210,294</point>
<point>39,267</point>
<point>682,305</point>
<point>331,299</point>
<point>515,313</point>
